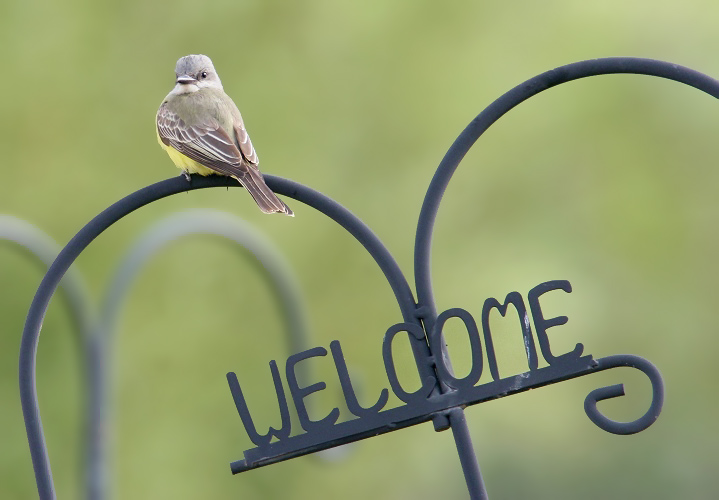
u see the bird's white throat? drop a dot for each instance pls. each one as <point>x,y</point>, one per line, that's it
<point>184,88</point>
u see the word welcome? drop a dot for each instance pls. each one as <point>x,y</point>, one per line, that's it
<point>437,395</point>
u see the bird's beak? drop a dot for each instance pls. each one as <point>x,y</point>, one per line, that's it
<point>185,79</point>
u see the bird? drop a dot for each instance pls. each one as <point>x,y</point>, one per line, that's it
<point>201,129</point>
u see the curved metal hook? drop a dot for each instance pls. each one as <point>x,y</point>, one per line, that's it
<point>142,197</point>
<point>492,113</point>
<point>613,391</point>
<point>522,92</point>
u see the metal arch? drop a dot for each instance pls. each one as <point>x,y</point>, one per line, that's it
<point>230,228</point>
<point>493,112</point>
<point>192,222</point>
<point>44,249</point>
<point>138,199</point>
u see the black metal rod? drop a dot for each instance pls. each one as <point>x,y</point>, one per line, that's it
<point>467,455</point>
<point>451,160</point>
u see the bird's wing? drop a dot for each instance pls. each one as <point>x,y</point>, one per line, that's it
<point>206,143</point>
<point>243,139</point>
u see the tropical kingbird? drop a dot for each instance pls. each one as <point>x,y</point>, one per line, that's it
<point>201,129</point>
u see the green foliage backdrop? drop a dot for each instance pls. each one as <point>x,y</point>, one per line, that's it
<point>609,183</point>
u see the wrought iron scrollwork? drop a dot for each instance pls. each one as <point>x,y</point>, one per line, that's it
<point>442,396</point>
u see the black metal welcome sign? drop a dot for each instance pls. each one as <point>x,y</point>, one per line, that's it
<point>442,396</point>
<point>439,395</point>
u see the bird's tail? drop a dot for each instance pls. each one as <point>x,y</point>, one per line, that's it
<point>265,198</point>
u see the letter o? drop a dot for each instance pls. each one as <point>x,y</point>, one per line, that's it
<point>427,385</point>
<point>436,343</point>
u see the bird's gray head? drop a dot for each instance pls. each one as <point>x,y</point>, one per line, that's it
<point>193,73</point>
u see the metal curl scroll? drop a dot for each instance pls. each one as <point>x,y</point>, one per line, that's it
<point>613,391</point>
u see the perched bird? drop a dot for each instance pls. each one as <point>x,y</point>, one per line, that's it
<point>201,129</point>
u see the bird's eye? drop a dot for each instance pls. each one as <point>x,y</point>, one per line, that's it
<point>203,74</point>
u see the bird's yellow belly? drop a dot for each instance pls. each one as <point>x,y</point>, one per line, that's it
<point>185,163</point>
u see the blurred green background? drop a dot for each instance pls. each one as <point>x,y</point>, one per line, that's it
<point>608,182</point>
